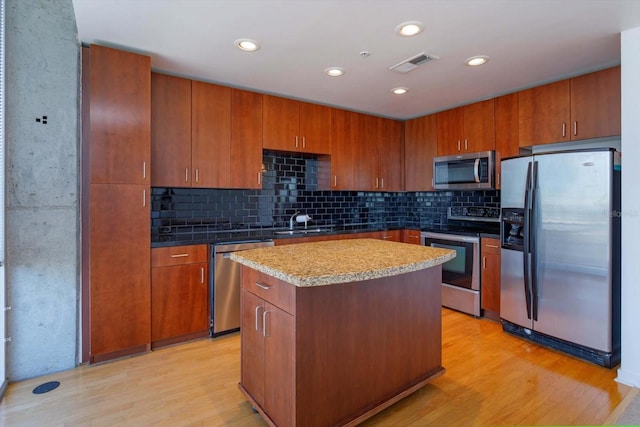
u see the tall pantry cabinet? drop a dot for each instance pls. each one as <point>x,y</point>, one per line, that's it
<point>116,241</point>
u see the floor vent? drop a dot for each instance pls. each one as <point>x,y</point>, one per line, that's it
<point>46,387</point>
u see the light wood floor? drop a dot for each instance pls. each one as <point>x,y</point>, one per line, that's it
<point>492,379</point>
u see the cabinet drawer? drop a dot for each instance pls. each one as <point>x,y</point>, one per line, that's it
<point>412,236</point>
<point>490,246</point>
<point>270,289</point>
<point>176,255</point>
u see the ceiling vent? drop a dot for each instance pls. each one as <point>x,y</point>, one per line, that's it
<point>412,63</point>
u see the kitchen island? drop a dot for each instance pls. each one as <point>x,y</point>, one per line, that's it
<point>335,332</point>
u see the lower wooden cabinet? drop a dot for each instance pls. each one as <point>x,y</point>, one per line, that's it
<point>411,236</point>
<point>490,278</point>
<point>179,294</point>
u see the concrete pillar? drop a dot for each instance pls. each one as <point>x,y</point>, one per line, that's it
<point>42,186</point>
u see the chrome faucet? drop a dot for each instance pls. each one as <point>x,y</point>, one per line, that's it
<point>291,220</point>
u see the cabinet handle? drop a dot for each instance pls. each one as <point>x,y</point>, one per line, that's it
<point>186,174</point>
<point>264,324</point>
<point>575,128</point>
<point>144,198</point>
<point>257,317</point>
<point>386,237</point>
<point>296,141</point>
<point>381,182</point>
<point>466,145</point>
<point>335,180</point>
<point>492,246</point>
<point>432,182</point>
<point>263,286</point>
<point>458,145</point>
<point>484,262</point>
<point>260,178</point>
<point>144,170</point>
<point>197,175</point>
<point>376,182</point>
<point>564,129</point>
<point>304,142</point>
<point>202,275</point>
<point>179,255</point>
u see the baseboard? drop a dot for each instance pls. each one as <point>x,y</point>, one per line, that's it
<point>4,387</point>
<point>627,377</point>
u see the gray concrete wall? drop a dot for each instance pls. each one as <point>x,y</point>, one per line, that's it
<point>42,186</point>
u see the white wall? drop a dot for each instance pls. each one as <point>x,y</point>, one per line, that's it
<point>629,371</point>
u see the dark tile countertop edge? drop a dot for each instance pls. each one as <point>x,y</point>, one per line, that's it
<point>236,236</point>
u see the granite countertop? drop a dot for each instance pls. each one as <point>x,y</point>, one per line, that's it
<point>341,261</point>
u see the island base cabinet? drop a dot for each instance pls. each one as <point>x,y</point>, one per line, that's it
<point>346,352</point>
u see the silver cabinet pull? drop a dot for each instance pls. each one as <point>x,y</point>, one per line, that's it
<point>304,142</point>
<point>381,182</point>
<point>296,141</point>
<point>492,246</point>
<point>484,262</point>
<point>179,255</point>
<point>376,182</point>
<point>458,145</point>
<point>257,317</point>
<point>575,128</point>
<point>202,275</point>
<point>186,174</point>
<point>260,178</point>
<point>264,324</point>
<point>263,286</point>
<point>144,170</point>
<point>197,175</point>
<point>144,198</point>
<point>335,180</point>
<point>564,129</point>
<point>466,145</point>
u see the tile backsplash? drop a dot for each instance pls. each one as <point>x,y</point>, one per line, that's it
<point>290,184</point>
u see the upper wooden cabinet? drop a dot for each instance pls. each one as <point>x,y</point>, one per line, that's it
<point>506,131</point>
<point>467,129</point>
<point>190,133</point>
<point>291,125</point>
<point>580,108</point>
<point>420,147</point>
<point>343,152</point>
<point>390,156</point>
<point>170,131</point>
<point>119,90</point>
<point>246,139</point>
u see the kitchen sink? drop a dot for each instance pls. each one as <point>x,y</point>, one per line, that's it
<point>303,231</point>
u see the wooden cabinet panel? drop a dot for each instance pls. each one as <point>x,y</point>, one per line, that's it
<point>176,255</point>
<point>342,149</point>
<point>390,156</point>
<point>596,104</point>
<point>412,237</point>
<point>270,289</point>
<point>252,345</point>
<point>467,129</point>
<point>315,128</point>
<point>170,131</point>
<point>119,115</point>
<point>246,139</point>
<point>281,124</point>
<point>420,147</point>
<point>211,135</point>
<point>363,138</point>
<point>490,278</point>
<point>179,301</point>
<point>119,264</point>
<point>544,114</point>
<point>506,130</point>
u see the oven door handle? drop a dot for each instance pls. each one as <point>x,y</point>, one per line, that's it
<point>476,170</point>
<point>450,237</point>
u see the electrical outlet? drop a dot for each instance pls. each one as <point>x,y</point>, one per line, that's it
<point>42,120</point>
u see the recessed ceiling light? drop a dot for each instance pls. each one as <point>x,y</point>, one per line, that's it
<point>334,71</point>
<point>474,61</point>
<point>410,28</point>
<point>247,45</point>
<point>399,90</point>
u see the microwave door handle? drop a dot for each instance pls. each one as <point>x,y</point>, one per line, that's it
<point>476,171</point>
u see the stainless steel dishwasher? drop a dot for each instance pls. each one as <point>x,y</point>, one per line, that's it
<point>225,285</point>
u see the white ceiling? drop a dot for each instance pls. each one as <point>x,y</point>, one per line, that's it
<point>529,42</point>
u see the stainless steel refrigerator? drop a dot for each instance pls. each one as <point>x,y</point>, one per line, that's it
<point>560,255</point>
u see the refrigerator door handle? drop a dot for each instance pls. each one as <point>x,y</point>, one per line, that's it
<point>476,170</point>
<point>532,240</point>
<point>526,247</point>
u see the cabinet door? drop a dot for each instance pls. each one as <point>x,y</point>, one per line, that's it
<point>543,114</point>
<point>479,127</point>
<point>596,104</point>
<point>279,365</point>
<point>252,345</point>
<point>170,131</point>
<point>364,133</point>
<point>412,237</point>
<point>119,116</point>
<point>420,147</point>
<point>506,130</point>
<point>246,139</point>
<point>342,157</point>
<point>179,301</point>
<point>315,128</point>
<point>390,156</point>
<point>490,275</point>
<point>450,131</point>
<point>211,135</point>
<point>281,124</point>
<point>119,263</point>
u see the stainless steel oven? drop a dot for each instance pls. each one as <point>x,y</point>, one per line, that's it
<point>461,275</point>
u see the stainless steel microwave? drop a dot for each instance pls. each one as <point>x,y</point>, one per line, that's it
<point>470,171</point>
